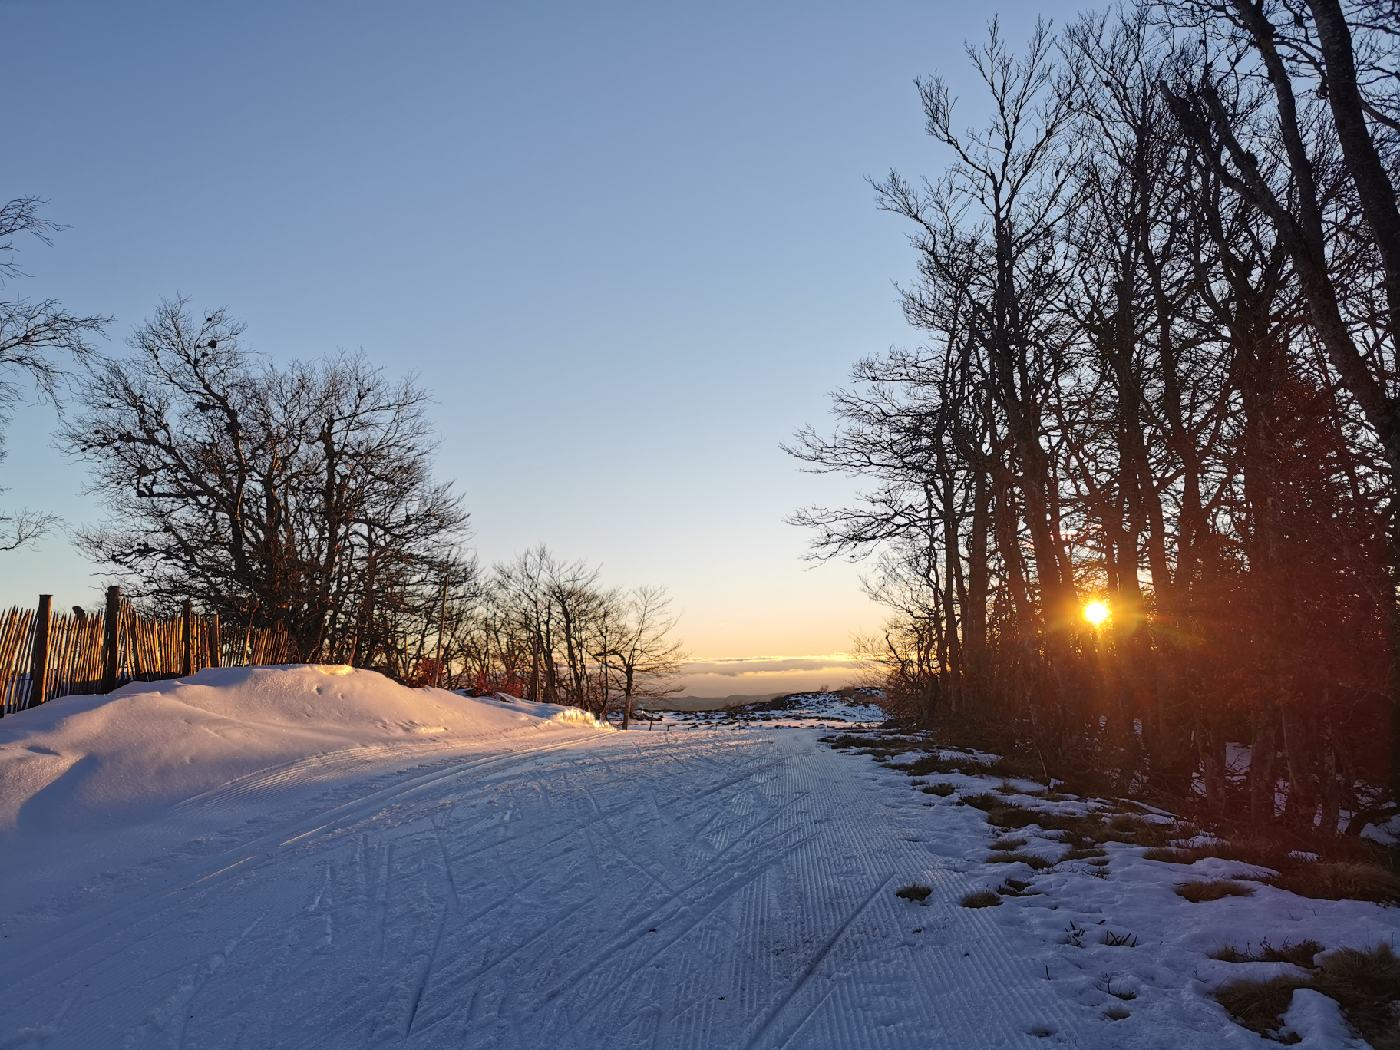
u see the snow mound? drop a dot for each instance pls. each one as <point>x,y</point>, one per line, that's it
<point>84,761</point>
<point>557,713</point>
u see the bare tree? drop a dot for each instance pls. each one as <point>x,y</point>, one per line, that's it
<point>303,494</point>
<point>647,657</point>
<point>35,338</point>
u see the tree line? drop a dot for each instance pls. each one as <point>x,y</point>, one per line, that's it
<point>1159,289</point>
<point>301,497</point>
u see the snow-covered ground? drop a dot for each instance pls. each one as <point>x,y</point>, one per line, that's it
<point>303,858</point>
<point>815,710</point>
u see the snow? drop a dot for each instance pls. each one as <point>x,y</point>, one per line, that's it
<point>310,857</point>
<point>1318,1024</point>
<point>88,761</point>
<point>817,710</point>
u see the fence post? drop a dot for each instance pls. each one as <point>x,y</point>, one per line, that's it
<point>111,624</point>
<point>187,639</point>
<point>39,656</point>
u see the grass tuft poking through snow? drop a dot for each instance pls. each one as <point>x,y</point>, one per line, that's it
<point>915,891</point>
<point>1009,843</point>
<point>1200,890</point>
<point>1034,861</point>
<point>1300,954</point>
<point>1365,984</point>
<point>942,789</point>
<point>1325,880</point>
<point>984,800</point>
<point>981,899</point>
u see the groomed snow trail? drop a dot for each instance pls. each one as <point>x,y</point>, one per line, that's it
<point>692,889</point>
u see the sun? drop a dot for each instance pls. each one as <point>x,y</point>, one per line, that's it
<point>1097,612</point>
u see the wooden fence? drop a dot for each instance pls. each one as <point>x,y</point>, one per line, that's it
<point>45,655</point>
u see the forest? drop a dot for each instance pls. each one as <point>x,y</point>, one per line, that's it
<point>1132,499</point>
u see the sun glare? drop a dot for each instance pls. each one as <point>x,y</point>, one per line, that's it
<point>1096,612</point>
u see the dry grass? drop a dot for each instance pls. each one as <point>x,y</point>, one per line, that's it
<point>1086,853</point>
<point>1341,880</point>
<point>1083,830</point>
<point>1008,843</point>
<point>981,899</point>
<point>1014,888</point>
<point>942,789</point>
<point>1300,954</point>
<point>943,763</point>
<point>845,740</point>
<point>1212,890</point>
<point>1172,854</point>
<point>1365,984</point>
<point>1124,827</point>
<point>984,801</point>
<point>1259,1005</point>
<point>1361,879</point>
<point>914,892</point>
<point>1034,861</point>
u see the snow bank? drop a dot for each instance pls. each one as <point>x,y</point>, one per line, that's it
<point>557,713</point>
<point>86,761</point>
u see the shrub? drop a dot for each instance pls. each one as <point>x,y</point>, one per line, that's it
<point>1212,890</point>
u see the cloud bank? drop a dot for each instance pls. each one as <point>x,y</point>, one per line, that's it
<point>767,675</point>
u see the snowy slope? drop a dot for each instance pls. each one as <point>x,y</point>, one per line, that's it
<point>90,761</point>
<point>302,858</point>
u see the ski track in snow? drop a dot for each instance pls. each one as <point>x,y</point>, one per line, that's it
<point>630,891</point>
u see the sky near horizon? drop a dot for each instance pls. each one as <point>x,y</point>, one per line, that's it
<point>629,247</point>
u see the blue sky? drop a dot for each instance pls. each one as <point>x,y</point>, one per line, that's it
<point>629,247</point>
